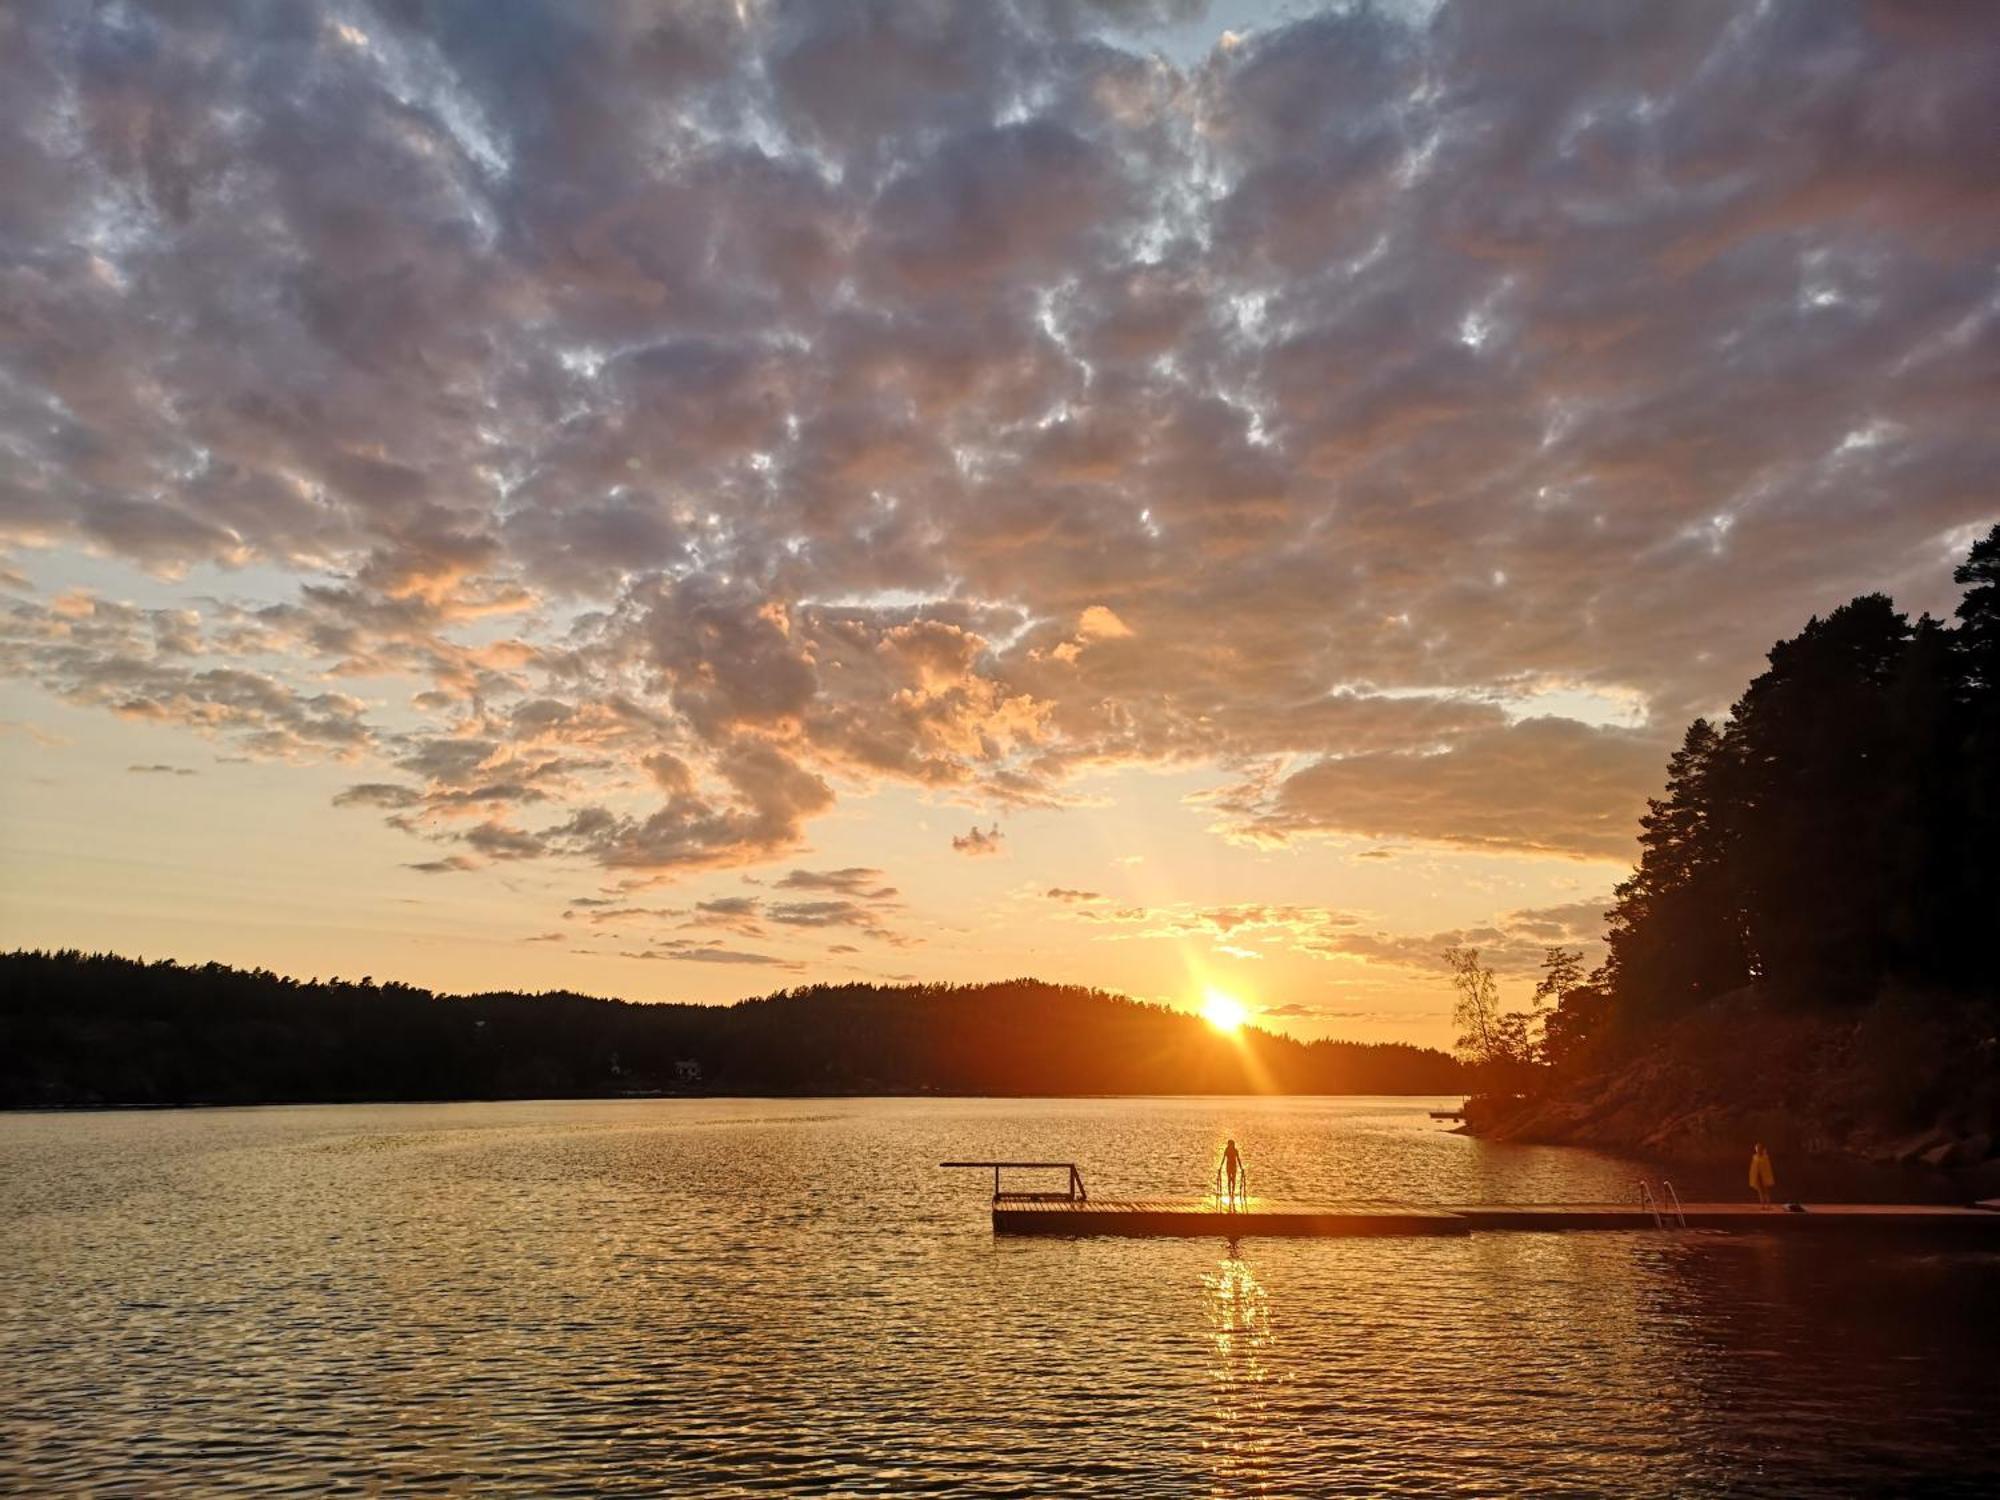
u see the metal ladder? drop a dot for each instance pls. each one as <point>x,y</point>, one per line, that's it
<point>1242,1189</point>
<point>1657,1205</point>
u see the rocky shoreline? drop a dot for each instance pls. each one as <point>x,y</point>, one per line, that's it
<point>1872,1089</point>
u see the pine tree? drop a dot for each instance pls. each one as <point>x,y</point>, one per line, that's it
<point>1806,804</point>
<point>1675,935</point>
<point>1977,640</point>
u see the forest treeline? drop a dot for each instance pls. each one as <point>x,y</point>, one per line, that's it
<point>87,1029</point>
<point>1831,848</point>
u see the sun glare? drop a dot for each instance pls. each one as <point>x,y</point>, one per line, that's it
<point>1223,1012</point>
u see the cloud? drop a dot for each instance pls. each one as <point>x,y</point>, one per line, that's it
<point>642,429</point>
<point>1271,922</point>
<point>1099,624</point>
<point>854,897</point>
<point>145,665</point>
<point>161,770</point>
<point>1513,943</point>
<point>855,880</point>
<point>697,953</point>
<point>1570,789</point>
<point>1297,1010</point>
<point>48,739</point>
<point>828,914</point>
<point>758,813</point>
<point>1071,897</point>
<point>1572,922</point>
<point>819,914</point>
<point>498,841</point>
<point>378,794</point>
<point>738,914</point>
<point>979,841</point>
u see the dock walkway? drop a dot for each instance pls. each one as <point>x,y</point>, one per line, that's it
<point>1072,1211</point>
<point>1203,1216</point>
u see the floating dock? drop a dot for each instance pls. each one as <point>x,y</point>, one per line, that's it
<point>1204,1216</point>
<point>1154,1217</point>
<point>1073,1212</point>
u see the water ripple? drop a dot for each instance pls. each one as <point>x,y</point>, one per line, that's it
<point>724,1298</point>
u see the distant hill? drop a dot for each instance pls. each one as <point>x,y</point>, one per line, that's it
<point>95,1029</point>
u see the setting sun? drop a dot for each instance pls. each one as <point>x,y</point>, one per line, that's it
<point>1223,1012</point>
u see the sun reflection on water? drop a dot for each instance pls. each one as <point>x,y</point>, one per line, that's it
<point>1239,1443</point>
<point>556,1297</point>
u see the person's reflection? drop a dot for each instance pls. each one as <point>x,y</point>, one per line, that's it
<point>1237,1300</point>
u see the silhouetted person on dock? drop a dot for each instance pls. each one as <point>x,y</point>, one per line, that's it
<point>1232,1172</point>
<point>1762,1178</point>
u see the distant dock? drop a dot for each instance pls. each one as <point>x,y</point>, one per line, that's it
<point>1073,1212</point>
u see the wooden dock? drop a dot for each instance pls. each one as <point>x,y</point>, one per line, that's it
<point>1072,1212</point>
<point>1156,1217</point>
<point>1204,1216</point>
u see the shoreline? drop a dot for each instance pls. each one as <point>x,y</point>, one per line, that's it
<point>1867,1087</point>
<point>1712,1135</point>
<point>646,1097</point>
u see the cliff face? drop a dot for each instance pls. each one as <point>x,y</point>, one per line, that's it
<point>1893,1084</point>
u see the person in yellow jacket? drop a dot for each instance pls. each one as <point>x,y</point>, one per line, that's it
<point>1762,1178</point>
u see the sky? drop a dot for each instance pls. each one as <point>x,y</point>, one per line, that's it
<point>683,501</point>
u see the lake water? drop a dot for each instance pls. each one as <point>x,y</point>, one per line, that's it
<point>724,1296</point>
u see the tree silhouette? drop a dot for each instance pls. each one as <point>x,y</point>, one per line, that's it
<point>1977,645</point>
<point>1675,935</point>
<point>1835,840</point>
<point>97,1029</point>
<point>1808,806</point>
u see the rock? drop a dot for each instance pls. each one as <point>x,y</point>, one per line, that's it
<point>1917,1148</point>
<point>1709,1084</point>
<point>1542,1121</point>
<point>1958,1151</point>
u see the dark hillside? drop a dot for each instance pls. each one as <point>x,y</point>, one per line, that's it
<point>79,1029</point>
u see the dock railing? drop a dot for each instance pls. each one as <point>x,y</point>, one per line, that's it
<point>1073,1193</point>
<point>1651,1204</point>
<point>1241,1196</point>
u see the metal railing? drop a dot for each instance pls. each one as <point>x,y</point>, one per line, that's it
<point>1073,1193</point>
<point>1242,1194</point>
<point>1663,1204</point>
